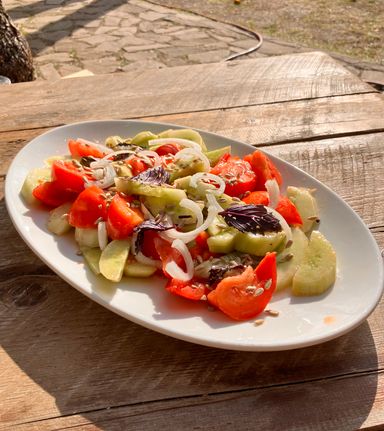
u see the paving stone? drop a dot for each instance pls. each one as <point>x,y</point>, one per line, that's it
<point>57,57</point>
<point>106,47</point>
<point>124,31</point>
<point>209,56</point>
<point>129,22</point>
<point>143,65</point>
<point>98,39</point>
<point>63,24</point>
<point>167,29</point>
<point>143,47</point>
<point>103,30</point>
<point>54,2</point>
<point>133,40</point>
<point>54,35</point>
<point>67,69</point>
<point>111,21</point>
<point>161,38</point>
<point>245,43</point>
<point>49,72</point>
<point>151,16</point>
<point>145,26</point>
<point>102,65</point>
<point>80,33</point>
<point>189,34</point>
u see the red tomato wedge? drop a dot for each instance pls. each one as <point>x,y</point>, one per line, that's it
<point>284,207</point>
<point>137,165</point>
<point>89,207</point>
<point>192,289</point>
<point>167,253</point>
<point>263,168</point>
<point>166,149</point>
<point>69,176</point>
<point>81,148</point>
<point>148,247</point>
<point>121,218</point>
<point>237,174</point>
<point>50,194</point>
<point>244,296</point>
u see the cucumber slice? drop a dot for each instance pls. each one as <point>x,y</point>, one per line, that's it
<point>58,220</point>
<point>87,237</point>
<point>286,270</point>
<point>142,138</point>
<point>48,162</point>
<point>132,187</point>
<point>189,166</point>
<point>306,204</point>
<point>139,270</point>
<point>317,271</point>
<point>92,258</point>
<point>32,180</point>
<point>222,243</point>
<point>214,155</point>
<point>189,134</point>
<point>258,244</point>
<point>113,258</point>
<point>218,226</point>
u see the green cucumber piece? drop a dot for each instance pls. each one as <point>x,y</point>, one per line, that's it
<point>287,269</point>
<point>87,237</point>
<point>306,205</point>
<point>32,180</point>
<point>58,219</point>
<point>132,187</point>
<point>92,258</point>
<point>142,138</point>
<point>224,242</point>
<point>214,155</point>
<point>217,226</point>
<point>188,166</point>
<point>189,134</point>
<point>139,270</point>
<point>317,271</point>
<point>113,258</point>
<point>258,244</point>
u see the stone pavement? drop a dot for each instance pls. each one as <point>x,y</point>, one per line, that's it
<point>106,36</point>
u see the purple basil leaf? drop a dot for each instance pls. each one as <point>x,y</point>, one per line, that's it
<point>251,218</point>
<point>157,224</point>
<point>154,176</point>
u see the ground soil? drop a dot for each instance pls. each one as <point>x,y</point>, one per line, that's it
<point>351,27</point>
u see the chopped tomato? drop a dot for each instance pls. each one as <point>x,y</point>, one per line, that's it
<point>89,207</point>
<point>50,194</point>
<point>201,247</point>
<point>137,165</point>
<point>192,289</point>
<point>83,149</point>
<point>263,168</point>
<point>284,207</point>
<point>69,176</point>
<point>166,149</point>
<point>148,247</point>
<point>121,218</point>
<point>237,174</point>
<point>167,254</point>
<point>244,296</point>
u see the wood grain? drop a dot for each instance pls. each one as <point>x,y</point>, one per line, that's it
<point>176,90</point>
<point>350,405</point>
<point>129,364</point>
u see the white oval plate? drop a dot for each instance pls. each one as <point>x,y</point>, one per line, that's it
<point>301,322</point>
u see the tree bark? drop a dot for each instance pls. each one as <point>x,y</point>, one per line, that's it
<point>15,54</point>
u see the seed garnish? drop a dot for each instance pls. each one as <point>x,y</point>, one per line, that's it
<point>258,322</point>
<point>273,313</point>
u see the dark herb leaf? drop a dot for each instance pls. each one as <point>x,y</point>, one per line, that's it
<point>87,160</point>
<point>158,224</point>
<point>251,218</point>
<point>154,176</point>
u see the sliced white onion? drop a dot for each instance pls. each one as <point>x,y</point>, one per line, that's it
<point>102,148</point>
<point>182,142</point>
<point>284,225</point>
<point>183,154</point>
<point>141,258</point>
<point>102,235</point>
<point>190,236</point>
<point>174,270</point>
<point>107,181</point>
<point>273,192</point>
<point>211,199</point>
<point>205,175</point>
<point>194,207</point>
<point>146,212</point>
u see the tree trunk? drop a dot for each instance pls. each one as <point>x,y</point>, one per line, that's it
<point>15,55</point>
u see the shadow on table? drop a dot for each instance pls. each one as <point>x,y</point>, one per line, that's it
<point>118,375</point>
<point>52,32</point>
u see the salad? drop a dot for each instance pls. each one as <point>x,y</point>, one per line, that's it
<point>216,226</point>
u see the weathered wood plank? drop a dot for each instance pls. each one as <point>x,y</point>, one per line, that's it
<point>47,329</point>
<point>176,90</point>
<point>259,125</point>
<point>353,402</point>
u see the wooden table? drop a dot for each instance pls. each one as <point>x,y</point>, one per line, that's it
<point>66,362</point>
